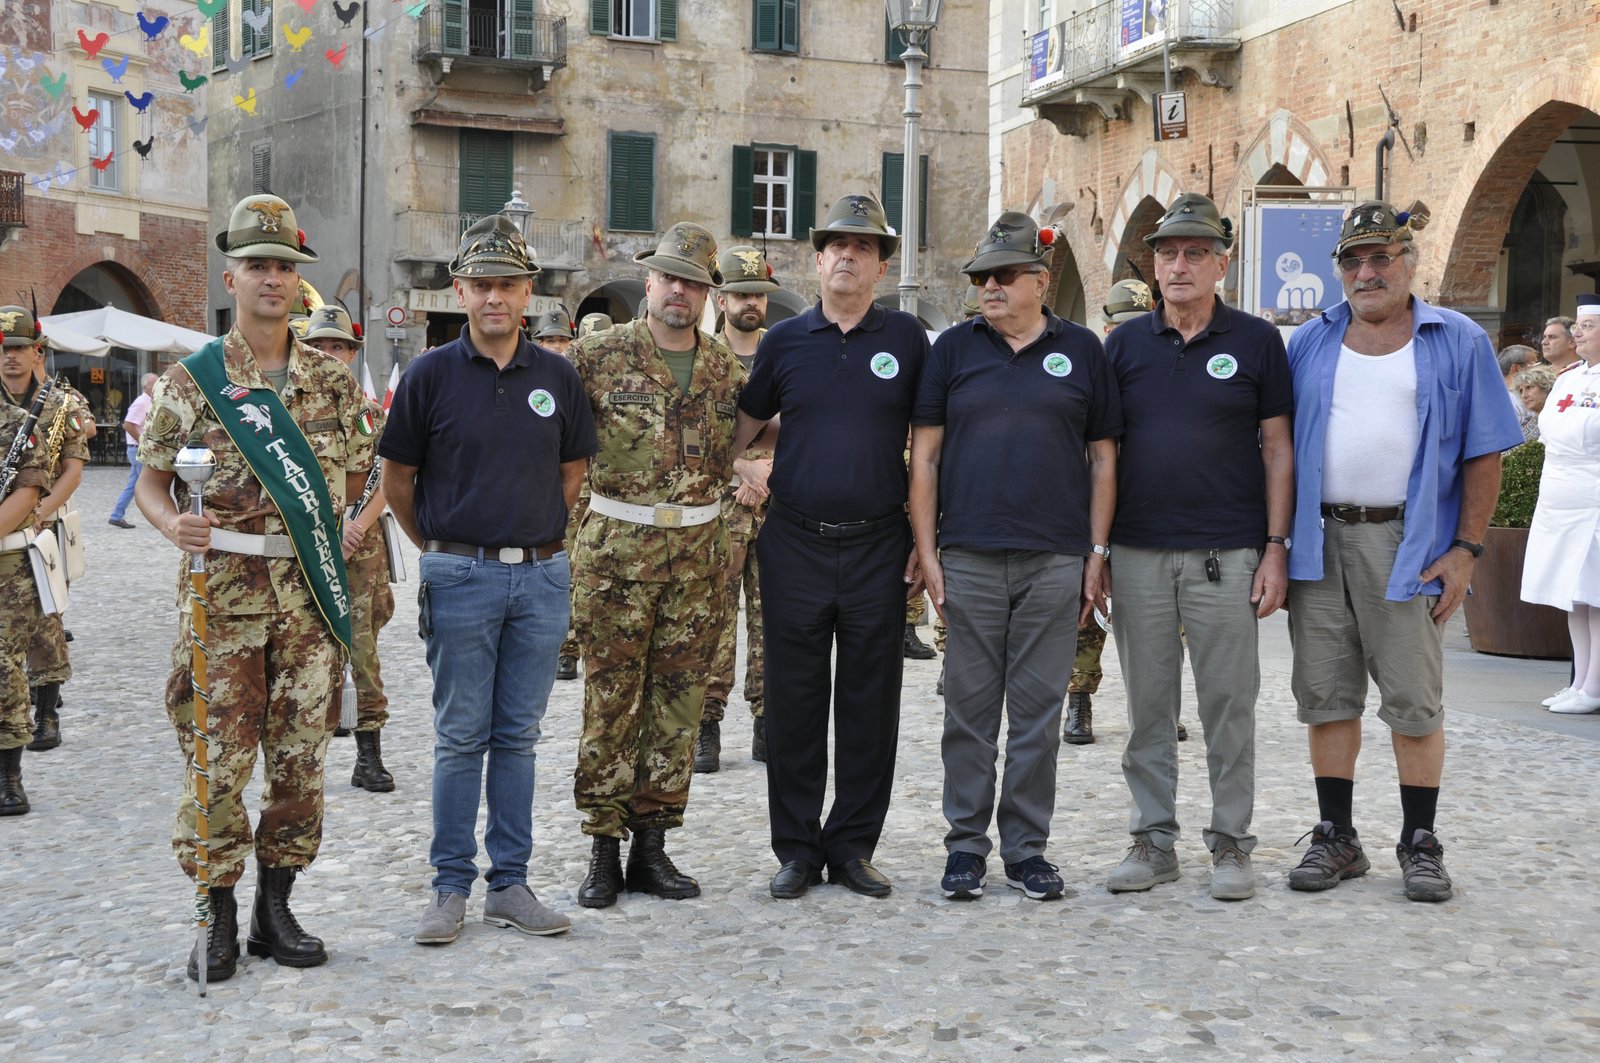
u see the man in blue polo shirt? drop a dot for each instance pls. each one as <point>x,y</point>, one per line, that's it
<point>1204,489</point>
<point>1400,418</point>
<point>1003,556</point>
<point>835,552</point>
<point>485,448</point>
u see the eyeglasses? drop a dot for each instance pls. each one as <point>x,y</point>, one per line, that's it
<point>1379,262</point>
<point>1003,277</point>
<point>1192,255</point>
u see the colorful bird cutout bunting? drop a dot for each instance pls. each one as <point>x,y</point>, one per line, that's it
<point>153,27</point>
<point>297,38</point>
<point>92,45</point>
<point>247,103</point>
<point>189,83</point>
<point>197,44</point>
<point>117,69</point>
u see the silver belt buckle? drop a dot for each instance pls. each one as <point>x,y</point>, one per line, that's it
<point>512,555</point>
<point>667,515</point>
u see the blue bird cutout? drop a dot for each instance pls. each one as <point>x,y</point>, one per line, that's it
<point>117,69</point>
<point>289,81</point>
<point>153,27</point>
<point>141,101</point>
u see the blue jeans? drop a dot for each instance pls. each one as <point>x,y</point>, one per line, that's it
<point>120,510</point>
<point>493,632</point>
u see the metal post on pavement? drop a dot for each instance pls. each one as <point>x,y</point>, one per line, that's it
<point>914,20</point>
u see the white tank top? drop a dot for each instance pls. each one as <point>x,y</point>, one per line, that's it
<point>1372,428</point>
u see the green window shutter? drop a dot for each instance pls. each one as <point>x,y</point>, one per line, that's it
<point>600,16</point>
<point>485,181</point>
<point>805,194</point>
<point>790,30</point>
<point>454,27</point>
<point>632,192</point>
<point>894,44</point>
<point>894,194</point>
<point>221,38</point>
<point>264,35</point>
<point>522,29</point>
<point>668,19</point>
<point>743,180</point>
<point>768,36</point>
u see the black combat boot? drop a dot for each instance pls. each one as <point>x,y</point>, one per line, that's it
<point>1079,730</point>
<point>13,801</point>
<point>708,747</point>
<point>650,869</point>
<point>222,943</point>
<point>274,931</point>
<point>916,649</point>
<point>46,717</point>
<point>370,774</point>
<point>566,667</point>
<point>604,880</point>
<point>758,740</point>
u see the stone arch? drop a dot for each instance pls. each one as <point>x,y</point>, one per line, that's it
<point>141,285</point>
<point>1135,260</point>
<point>1284,153</point>
<point>1152,179</point>
<point>1507,149</point>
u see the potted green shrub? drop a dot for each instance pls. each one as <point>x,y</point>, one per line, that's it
<point>1498,620</point>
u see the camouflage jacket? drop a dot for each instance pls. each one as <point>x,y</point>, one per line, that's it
<point>30,470</point>
<point>647,430</point>
<point>74,431</point>
<point>326,402</point>
<point>371,554</point>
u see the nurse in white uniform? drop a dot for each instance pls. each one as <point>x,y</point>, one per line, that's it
<point>1563,562</point>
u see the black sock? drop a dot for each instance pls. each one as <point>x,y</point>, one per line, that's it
<point>1335,799</point>
<point>1418,805</point>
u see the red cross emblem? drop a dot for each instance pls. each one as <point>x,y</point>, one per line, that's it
<point>1566,400</point>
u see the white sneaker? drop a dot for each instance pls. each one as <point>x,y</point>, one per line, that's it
<point>1576,704</point>
<point>1560,695</point>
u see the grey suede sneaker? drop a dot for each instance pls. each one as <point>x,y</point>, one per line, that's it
<point>441,923</point>
<point>1333,857</point>
<point>1422,868</point>
<point>1145,865</point>
<point>517,908</point>
<point>1231,876</point>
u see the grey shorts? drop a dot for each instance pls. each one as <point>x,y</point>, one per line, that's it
<point>1344,630</point>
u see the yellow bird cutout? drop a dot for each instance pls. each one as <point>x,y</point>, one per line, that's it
<point>247,104</point>
<point>297,38</point>
<point>197,45</point>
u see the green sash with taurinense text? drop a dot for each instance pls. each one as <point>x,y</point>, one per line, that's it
<point>282,459</point>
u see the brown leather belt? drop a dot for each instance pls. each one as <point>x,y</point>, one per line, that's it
<point>510,555</point>
<point>1346,514</point>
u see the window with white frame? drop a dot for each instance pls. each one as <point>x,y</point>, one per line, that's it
<point>1044,14</point>
<point>103,142</point>
<point>633,18</point>
<point>772,191</point>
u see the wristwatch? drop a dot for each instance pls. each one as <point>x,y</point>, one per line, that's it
<point>1282,540</point>
<point>1475,549</point>
<point>1103,551</point>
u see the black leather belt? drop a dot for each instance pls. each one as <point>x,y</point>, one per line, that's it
<point>1346,514</point>
<point>510,555</point>
<point>845,529</point>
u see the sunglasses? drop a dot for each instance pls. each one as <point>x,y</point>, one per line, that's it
<point>1379,262</point>
<point>1003,277</point>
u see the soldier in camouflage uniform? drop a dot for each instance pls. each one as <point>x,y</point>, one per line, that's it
<point>273,661</point>
<point>67,413</point>
<point>19,602</point>
<point>567,660</point>
<point>747,280</point>
<point>553,331</point>
<point>653,556</point>
<point>366,558</point>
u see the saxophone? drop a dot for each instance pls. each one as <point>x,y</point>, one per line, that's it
<point>58,431</point>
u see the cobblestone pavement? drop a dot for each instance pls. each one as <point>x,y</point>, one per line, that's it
<point>94,907</point>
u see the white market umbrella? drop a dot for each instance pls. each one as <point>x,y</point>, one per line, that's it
<point>61,338</point>
<point>122,329</point>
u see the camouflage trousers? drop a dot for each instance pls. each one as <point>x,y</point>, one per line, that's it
<point>47,653</point>
<point>1086,672</point>
<point>917,611</point>
<point>371,607</point>
<point>647,650</point>
<point>744,524</point>
<point>569,648</point>
<point>273,680</point>
<point>19,620</point>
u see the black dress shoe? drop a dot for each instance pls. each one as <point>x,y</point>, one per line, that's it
<point>858,876</point>
<point>794,878</point>
<point>566,667</point>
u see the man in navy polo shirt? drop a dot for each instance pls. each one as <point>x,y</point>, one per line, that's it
<point>1205,487</point>
<point>835,552</point>
<point>485,448</point>
<point>1021,390</point>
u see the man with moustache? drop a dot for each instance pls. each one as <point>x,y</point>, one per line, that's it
<point>647,600</point>
<point>835,553</point>
<point>742,299</point>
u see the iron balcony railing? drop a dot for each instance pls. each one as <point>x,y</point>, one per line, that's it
<point>451,30</point>
<point>1113,35</point>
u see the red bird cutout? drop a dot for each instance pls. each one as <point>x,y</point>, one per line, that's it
<point>85,121</point>
<point>101,164</point>
<point>92,45</point>
<point>337,56</point>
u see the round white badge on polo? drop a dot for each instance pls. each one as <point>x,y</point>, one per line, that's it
<point>1222,366</point>
<point>1057,364</point>
<point>885,366</point>
<point>541,402</point>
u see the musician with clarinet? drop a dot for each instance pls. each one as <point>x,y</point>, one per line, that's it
<point>283,423</point>
<point>23,479</point>
<point>366,556</point>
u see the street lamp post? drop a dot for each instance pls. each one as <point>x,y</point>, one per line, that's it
<point>520,213</point>
<point>914,19</point>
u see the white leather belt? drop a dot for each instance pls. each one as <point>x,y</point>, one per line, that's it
<point>660,515</point>
<point>232,542</point>
<point>10,544</point>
